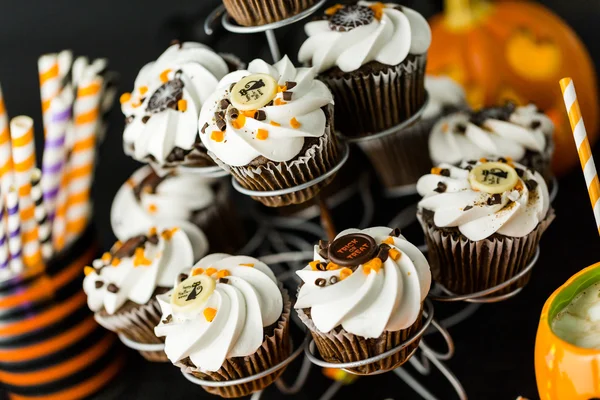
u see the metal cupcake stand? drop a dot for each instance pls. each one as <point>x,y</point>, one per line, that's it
<point>287,236</point>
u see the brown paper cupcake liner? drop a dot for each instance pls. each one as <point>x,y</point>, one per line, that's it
<point>464,266</point>
<point>315,162</point>
<point>367,103</point>
<point>275,348</point>
<point>262,12</point>
<point>137,324</point>
<point>340,346</point>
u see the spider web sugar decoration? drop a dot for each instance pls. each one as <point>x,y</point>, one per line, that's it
<point>165,96</point>
<point>350,17</point>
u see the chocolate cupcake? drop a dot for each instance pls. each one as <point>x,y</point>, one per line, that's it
<point>187,201</point>
<point>372,56</point>
<point>363,295</point>
<point>483,222</point>
<point>161,113</point>
<point>402,157</point>
<point>122,286</point>
<point>271,128</point>
<point>228,319</point>
<point>262,12</point>
<point>522,133</point>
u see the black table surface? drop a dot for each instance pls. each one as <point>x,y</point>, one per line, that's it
<point>494,348</point>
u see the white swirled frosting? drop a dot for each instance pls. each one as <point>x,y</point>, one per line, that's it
<point>152,131</point>
<point>114,280</point>
<point>388,37</point>
<point>239,146</point>
<point>173,202</point>
<point>367,304</point>
<point>516,213</point>
<point>248,302</point>
<point>456,137</point>
<point>443,93</point>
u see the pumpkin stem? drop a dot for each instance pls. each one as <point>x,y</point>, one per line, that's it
<point>462,13</point>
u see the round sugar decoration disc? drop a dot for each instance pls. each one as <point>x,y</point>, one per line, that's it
<point>352,249</point>
<point>253,92</point>
<point>493,177</point>
<point>166,96</point>
<point>192,293</point>
<point>350,17</point>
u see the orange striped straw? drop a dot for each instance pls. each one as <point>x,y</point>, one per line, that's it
<point>583,145</point>
<point>23,150</point>
<point>5,156</point>
<point>49,71</point>
<point>86,111</point>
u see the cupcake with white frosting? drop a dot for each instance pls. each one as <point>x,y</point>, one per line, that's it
<point>521,133</point>
<point>363,295</point>
<point>187,201</point>
<point>372,56</point>
<point>271,127</point>
<point>483,221</point>
<point>228,319</point>
<point>122,285</point>
<point>402,157</point>
<point>161,112</point>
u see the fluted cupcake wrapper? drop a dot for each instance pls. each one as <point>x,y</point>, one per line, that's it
<point>464,266</point>
<point>262,12</point>
<point>368,103</point>
<point>340,346</point>
<point>137,324</point>
<point>274,349</point>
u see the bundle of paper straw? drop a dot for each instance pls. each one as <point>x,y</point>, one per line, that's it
<point>43,210</point>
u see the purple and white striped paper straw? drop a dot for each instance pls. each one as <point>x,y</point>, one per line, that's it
<point>4,257</point>
<point>14,231</point>
<point>53,159</point>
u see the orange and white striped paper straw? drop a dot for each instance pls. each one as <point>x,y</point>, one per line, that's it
<point>23,152</point>
<point>86,111</point>
<point>50,83</point>
<point>583,145</point>
<point>5,153</point>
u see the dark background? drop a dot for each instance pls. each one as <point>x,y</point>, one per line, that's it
<point>494,358</point>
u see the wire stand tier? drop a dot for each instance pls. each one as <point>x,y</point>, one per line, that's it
<point>220,14</point>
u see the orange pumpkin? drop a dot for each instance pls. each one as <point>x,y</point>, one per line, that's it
<point>516,51</point>
<point>562,370</point>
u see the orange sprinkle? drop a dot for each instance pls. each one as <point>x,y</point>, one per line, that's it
<point>395,254</point>
<point>217,136</point>
<point>333,9</point>
<point>136,104</point>
<point>262,134</point>
<point>436,171</point>
<point>130,182</point>
<point>274,123</point>
<point>182,105</point>
<point>139,259</point>
<point>143,89</point>
<point>239,122</point>
<point>197,271</point>
<point>106,257</point>
<point>209,313</point>
<point>168,233</point>
<point>249,113</point>
<point>88,270</point>
<point>332,267</point>
<point>164,75</point>
<point>508,159</point>
<point>152,208</point>
<point>279,102</point>
<point>125,97</point>
<point>152,231</point>
<point>345,272</point>
<point>372,265</point>
<point>294,123</point>
<point>389,240</point>
<point>223,273</point>
<point>247,265</point>
<point>483,159</point>
<point>445,127</point>
<point>281,88</point>
<point>314,264</point>
<point>519,186</point>
<point>211,271</point>
<point>377,9</point>
<point>115,262</point>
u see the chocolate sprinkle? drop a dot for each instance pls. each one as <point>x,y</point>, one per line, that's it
<point>98,284</point>
<point>333,280</point>
<point>502,160</point>
<point>112,288</point>
<point>145,119</point>
<point>384,252</point>
<point>520,172</point>
<point>320,282</point>
<point>260,115</point>
<point>323,244</point>
<point>224,104</point>
<point>287,96</point>
<point>231,86</point>
<point>128,248</point>
<point>234,113</point>
<point>461,128</point>
<point>395,232</point>
<point>129,120</point>
<point>467,208</point>
<point>445,172</point>
<point>472,162</point>
<point>223,280</point>
<point>182,277</point>
<point>531,184</point>
<point>494,199</point>
<point>203,130</point>
<point>168,319</point>
<point>290,85</point>
<point>153,239</point>
<point>535,124</point>
<point>219,115</point>
<point>321,266</point>
<point>441,187</point>
<point>221,124</point>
